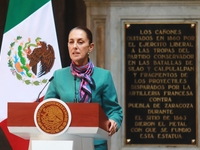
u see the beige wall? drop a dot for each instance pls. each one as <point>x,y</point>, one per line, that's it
<point>107,17</point>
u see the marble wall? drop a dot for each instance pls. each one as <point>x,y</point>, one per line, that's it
<point>106,19</point>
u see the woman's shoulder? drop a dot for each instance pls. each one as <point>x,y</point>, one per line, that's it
<point>97,69</point>
<point>101,72</point>
<point>62,72</point>
<point>100,69</point>
<point>66,69</point>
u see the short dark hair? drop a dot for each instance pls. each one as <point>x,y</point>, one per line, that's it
<point>87,31</point>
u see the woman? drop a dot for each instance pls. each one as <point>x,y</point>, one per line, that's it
<point>85,83</point>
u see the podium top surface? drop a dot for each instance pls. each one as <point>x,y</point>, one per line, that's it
<point>83,115</point>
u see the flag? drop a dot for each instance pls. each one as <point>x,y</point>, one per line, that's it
<point>29,55</point>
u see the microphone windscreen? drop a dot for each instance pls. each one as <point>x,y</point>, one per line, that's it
<point>51,79</point>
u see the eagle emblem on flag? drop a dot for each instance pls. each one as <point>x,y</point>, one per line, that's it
<point>29,61</point>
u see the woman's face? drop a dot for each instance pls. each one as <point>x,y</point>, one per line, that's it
<point>79,47</point>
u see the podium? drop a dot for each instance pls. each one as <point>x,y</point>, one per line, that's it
<point>88,123</point>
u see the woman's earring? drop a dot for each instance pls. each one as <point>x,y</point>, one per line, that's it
<point>88,53</point>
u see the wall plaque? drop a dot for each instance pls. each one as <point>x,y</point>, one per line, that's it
<point>160,84</point>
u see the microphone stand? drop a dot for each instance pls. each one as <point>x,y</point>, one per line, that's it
<point>75,99</point>
<point>38,99</point>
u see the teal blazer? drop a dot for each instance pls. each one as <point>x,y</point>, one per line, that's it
<point>63,87</point>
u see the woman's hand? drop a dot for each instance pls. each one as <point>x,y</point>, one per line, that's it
<point>113,127</point>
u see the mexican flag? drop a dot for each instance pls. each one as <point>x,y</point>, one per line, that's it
<point>29,56</point>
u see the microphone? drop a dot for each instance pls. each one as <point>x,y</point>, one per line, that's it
<point>38,99</point>
<point>75,100</point>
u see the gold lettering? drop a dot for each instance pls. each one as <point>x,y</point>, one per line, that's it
<point>186,88</point>
<point>184,75</point>
<point>147,136</point>
<point>161,124</point>
<point>131,44</point>
<point>145,123</point>
<point>160,99</point>
<point>160,111</point>
<point>139,38</point>
<point>183,50</point>
<point>135,74</point>
<point>189,62</point>
<point>164,50</point>
<point>179,105</point>
<point>174,68</point>
<point>145,32</point>
<point>180,117</point>
<point>174,56</point>
<point>189,38</point>
<point>149,68</point>
<point>133,50</point>
<point>163,130</point>
<point>160,38</point>
<point>168,81</point>
<point>156,105</point>
<point>131,62</point>
<point>138,105</point>
<point>152,117</point>
<point>183,130</point>
<point>167,62</point>
<point>147,87</point>
<point>144,62</point>
<point>150,130</point>
<point>140,81</point>
<point>173,87</point>
<point>178,123</point>
<point>169,136</point>
<point>136,130</point>
<point>181,44</point>
<point>144,50</point>
<point>144,93</point>
<point>167,32</point>
<point>173,38</point>
<point>138,56</point>
<point>135,68</point>
<point>137,117</point>
<point>166,117</point>
<point>159,75</point>
<point>178,93</point>
<point>152,44</point>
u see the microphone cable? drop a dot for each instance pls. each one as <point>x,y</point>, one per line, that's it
<point>75,99</point>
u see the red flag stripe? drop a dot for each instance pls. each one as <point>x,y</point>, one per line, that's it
<point>16,142</point>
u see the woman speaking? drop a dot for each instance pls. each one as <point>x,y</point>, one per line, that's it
<point>85,83</point>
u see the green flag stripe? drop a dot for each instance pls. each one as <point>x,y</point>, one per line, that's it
<point>18,10</point>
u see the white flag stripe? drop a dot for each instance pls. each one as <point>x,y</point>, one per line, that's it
<point>39,24</point>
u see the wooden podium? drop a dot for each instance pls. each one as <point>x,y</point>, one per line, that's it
<point>88,123</point>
